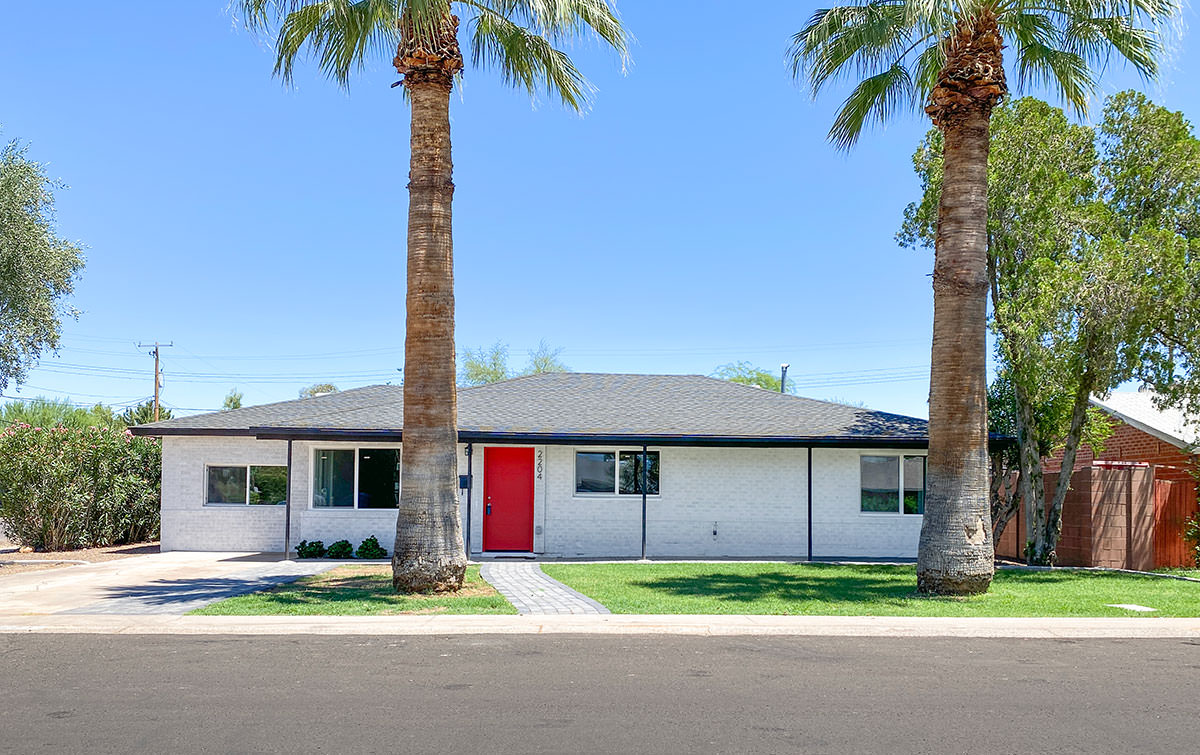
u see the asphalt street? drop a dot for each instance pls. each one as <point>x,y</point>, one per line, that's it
<point>567,693</point>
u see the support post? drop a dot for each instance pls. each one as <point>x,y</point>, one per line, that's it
<point>470,484</point>
<point>810,523</point>
<point>287,508</point>
<point>644,465</point>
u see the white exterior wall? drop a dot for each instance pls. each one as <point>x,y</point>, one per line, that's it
<point>755,499</point>
<point>190,525</point>
<point>840,528</point>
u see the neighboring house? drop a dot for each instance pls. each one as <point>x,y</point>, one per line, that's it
<point>1142,432</point>
<point>1129,504</point>
<point>554,464</point>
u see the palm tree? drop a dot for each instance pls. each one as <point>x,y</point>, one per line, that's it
<point>522,40</point>
<point>947,55</point>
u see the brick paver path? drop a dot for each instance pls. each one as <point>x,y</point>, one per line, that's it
<point>532,592</point>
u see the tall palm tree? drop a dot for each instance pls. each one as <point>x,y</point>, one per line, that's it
<point>947,55</point>
<point>522,40</point>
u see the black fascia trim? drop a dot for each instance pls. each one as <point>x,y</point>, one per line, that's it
<point>159,432</point>
<point>564,439</point>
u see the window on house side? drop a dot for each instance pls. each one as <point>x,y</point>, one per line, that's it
<point>616,472</point>
<point>333,478</point>
<point>378,478</point>
<point>253,484</point>
<point>880,483</point>
<point>594,472</point>
<point>631,473</point>
<point>914,484</point>
<point>356,478</point>
<point>893,484</point>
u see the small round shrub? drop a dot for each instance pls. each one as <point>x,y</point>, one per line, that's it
<point>340,549</point>
<point>370,548</point>
<point>315,549</point>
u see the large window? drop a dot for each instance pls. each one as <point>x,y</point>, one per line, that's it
<point>893,484</point>
<point>363,478</point>
<point>252,485</point>
<point>615,472</point>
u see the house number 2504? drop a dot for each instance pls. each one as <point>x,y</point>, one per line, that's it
<point>539,464</point>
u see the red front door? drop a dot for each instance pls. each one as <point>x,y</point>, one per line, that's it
<point>507,499</point>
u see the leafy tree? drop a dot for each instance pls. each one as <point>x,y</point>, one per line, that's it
<point>747,374</point>
<point>490,364</point>
<point>1086,283</point>
<point>38,269</point>
<point>316,389</point>
<point>544,359</point>
<point>143,413</point>
<point>948,56</point>
<point>523,39</point>
<point>233,400</point>
<point>44,412</point>
<point>484,365</point>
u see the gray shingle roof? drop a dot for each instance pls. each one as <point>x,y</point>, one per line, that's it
<point>576,405</point>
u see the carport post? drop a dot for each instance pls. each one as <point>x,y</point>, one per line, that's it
<point>809,476</point>
<point>287,508</point>
<point>644,460</point>
<point>470,484</point>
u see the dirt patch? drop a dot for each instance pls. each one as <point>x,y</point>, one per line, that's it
<point>91,555</point>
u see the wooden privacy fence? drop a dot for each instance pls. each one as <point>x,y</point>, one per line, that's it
<point>1174,504</point>
<point>1117,517</point>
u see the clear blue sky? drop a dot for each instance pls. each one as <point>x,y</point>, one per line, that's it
<point>695,216</point>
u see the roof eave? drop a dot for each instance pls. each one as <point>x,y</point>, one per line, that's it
<point>575,438</point>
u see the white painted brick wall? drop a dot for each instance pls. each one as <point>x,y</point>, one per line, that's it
<point>188,524</point>
<point>839,526</point>
<point>755,499</point>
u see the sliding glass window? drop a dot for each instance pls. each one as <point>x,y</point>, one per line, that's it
<point>362,478</point>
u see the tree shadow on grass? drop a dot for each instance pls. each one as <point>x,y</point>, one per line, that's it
<point>810,584</point>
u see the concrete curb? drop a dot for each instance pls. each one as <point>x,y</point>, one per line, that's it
<point>811,626</point>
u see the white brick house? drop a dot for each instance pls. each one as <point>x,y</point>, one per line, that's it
<point>564,465</point>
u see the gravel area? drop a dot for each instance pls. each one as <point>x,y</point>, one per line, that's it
<point>9,552</point>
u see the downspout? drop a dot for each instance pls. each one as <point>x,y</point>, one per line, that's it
<point>810,527</point>
<point>470,484</point>
<point>287,508</point>
<point>644,464</point>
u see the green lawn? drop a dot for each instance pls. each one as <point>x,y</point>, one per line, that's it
<point>1181,572</point>
<point>359,591</point>
<point>816,589</point>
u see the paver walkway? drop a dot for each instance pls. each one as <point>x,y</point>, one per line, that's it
<point>532,592</point>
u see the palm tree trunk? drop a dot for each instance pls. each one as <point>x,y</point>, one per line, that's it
<point>955,555</point>
<point>428,553</point>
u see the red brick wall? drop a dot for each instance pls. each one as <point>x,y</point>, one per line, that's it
<point>1127,443</point>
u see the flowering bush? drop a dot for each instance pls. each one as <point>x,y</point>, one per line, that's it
<point>63,488</point>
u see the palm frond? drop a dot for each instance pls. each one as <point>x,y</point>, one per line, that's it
<point>339,34</point>
<point>875,98</point>
<point>526,59</point>
<point>1061,70</point>
<point>563,20</point>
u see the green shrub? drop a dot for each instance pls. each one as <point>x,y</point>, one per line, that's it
<point>341,549</point>
<point>1191,533</point>
<point>315,549</point>
<point>370,548</point>
<point>64,488</point>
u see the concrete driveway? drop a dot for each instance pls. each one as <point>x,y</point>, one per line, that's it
<point>158,583</point>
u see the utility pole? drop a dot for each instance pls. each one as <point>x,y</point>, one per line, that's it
<point>783,377</point>
<point>157,371</point>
